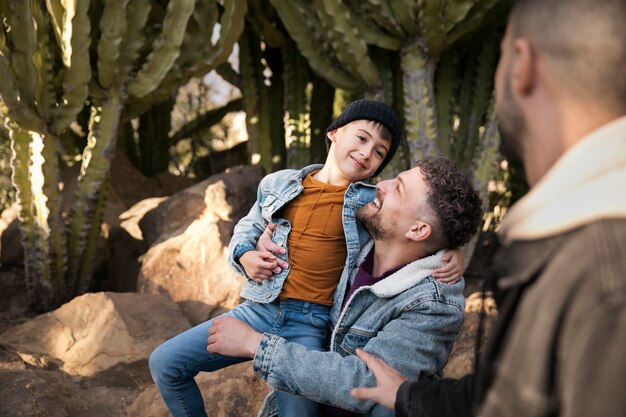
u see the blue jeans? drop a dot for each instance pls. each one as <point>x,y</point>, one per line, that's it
<point>175,363</point>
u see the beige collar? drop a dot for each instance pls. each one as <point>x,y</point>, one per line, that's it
<point>586,184</point>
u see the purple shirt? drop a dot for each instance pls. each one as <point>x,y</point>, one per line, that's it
<point>362,278</point>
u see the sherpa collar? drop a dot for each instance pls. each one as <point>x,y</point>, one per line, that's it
<point>587,183</point>
<point>404,278</point>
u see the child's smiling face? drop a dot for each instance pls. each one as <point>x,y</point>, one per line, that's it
<point>358,149</point>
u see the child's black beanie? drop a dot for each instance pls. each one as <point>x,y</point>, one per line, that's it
<point>375,111</point>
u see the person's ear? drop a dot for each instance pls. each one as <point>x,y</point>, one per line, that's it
<point>524,71</point>
<point>332,135</point>
<point>418,232</point>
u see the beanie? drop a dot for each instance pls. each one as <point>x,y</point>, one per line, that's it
<point>375,111</point>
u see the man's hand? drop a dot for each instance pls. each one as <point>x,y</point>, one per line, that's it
<point>232,337</point>
<point>265,243</point>
<point>452,271</point>
<point>261,264</point>
<point>388,381</point>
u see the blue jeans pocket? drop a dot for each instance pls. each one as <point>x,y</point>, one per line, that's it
<point>319,320</point>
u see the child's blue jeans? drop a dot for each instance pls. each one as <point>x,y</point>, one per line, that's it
<point>175,363</point>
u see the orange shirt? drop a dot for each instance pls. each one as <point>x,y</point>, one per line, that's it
<point>317,245</point>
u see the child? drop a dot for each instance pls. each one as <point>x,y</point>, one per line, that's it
<point>318,235</point>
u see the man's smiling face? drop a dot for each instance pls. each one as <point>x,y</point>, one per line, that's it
<point>399,203</point>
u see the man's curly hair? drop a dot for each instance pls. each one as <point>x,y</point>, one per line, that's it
<point>452,198</point>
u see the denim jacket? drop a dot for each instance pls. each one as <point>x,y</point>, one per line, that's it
<point>276,190</point>
<point>409,319</point>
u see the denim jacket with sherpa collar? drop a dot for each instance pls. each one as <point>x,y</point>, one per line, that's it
<point>276,190</point>
<point>409,319</point>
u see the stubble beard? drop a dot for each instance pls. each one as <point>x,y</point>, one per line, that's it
<point>512,127</point>
<point>373,224</point>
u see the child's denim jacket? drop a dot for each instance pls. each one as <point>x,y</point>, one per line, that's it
<point>276,190</point>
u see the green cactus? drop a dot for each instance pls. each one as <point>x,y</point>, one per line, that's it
<point>46,48</point>
<point>166,48</point>
<point>300,19</point>
<point>296,78</point>
<point>321,115</point>
<point>205,121</point>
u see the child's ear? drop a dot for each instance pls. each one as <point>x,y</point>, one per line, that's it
<point>332,135</point>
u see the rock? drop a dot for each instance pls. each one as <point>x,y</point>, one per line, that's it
<point>125,247</point>
<point>191,231</point>
<point>218,161</point>
<point>171,184</point>
<point>129,183</point>
<point>44,393</point>
<point>13,298</point>
<point>233,391</point>
<point>96,331</point>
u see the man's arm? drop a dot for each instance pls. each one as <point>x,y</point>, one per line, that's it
<point>425,398</point>
<point>436,398</point>
<point>329,377</point>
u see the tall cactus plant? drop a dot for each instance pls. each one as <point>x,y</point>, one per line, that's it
<point>142,54</point>
<point>348,43</point>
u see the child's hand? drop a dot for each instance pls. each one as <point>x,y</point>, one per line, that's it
<point>260,265</point>
<point>452,271</point>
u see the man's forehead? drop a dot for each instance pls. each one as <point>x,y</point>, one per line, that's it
<point>412,173</point>
<point>413,178</point>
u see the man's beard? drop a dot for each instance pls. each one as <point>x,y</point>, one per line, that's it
<point>512,128</point>
<point>373,224</point>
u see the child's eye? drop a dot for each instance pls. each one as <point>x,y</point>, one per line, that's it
<point>380,154</point>
<point>361,138</point>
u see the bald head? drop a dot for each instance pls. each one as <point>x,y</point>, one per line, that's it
<point>583,43</point>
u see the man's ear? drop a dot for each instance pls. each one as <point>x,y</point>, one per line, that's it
<point>332,135</point>
<point>418,232</point>
<point>524,71</point>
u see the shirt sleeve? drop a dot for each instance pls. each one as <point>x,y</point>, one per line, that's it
<point>436,398</point>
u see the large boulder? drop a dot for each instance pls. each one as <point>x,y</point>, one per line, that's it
<point>96,331</point>
<point>233,391</point>
<point>191,231</point>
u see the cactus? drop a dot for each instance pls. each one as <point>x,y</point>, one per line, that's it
<point>419,111</point>
<point>299,17</point>
<point>46,50</point>
<point>321,115</point>
<point>205,121</point>
<point>440,113</point>
<point>166,48</point>
<point>296,78</point>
